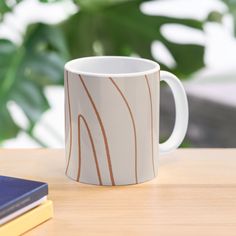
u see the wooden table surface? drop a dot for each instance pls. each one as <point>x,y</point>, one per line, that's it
<point>194,194</point>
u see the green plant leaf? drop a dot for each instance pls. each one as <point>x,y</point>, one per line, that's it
<point>91,5</point>
<point>232,10</point>
<point>25,70</point>
<point>8,128</point>
<point>122,29</point>
<point>101,27</point>
<point>7,6</point>
<point>4,8</point>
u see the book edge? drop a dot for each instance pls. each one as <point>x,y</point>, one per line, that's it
<point>34,195</point>
<point>29,220</point>
<point>21,211</point>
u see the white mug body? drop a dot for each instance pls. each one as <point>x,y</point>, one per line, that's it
<point>112,120</point>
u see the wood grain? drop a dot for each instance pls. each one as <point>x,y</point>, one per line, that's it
<point>193,194</point>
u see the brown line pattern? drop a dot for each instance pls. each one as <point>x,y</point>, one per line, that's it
<point>93,148</point>
<point>150,97</point>
<point>70,122</point>
<point>79,150</point>
<point>134,128</point>
<point>65,107</point>
<point>103,131</point>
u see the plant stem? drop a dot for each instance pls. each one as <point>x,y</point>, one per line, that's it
<point>37,140</point>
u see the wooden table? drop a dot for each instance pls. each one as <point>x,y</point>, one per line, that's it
<point>194,194</point>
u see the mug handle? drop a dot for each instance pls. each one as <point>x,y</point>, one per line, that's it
<point>181,110</point>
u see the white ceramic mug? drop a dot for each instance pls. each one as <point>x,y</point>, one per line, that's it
<point>112,119</point>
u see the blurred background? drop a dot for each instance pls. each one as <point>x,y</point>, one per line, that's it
<point>193,39</point>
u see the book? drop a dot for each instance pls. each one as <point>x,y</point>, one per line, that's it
<point>22,211</point>
<point>16,194</point>
<point>29,220</point>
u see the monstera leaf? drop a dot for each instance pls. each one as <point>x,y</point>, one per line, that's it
<point>101,27</point>
<point>111,27</point>
<point>7,6</point>
<point>4,7</point>
<point>25,71</point>
<point>232,10</point>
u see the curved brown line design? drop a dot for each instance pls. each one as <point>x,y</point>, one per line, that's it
<point>133,124</point>
<point>103,131</point>
<point>150,97</point>
<point>80,117</point>
<point>70,122</point>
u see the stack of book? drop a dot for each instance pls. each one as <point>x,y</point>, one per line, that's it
<point>23,205</point>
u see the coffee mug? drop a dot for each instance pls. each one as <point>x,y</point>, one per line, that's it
<point>112,119</point>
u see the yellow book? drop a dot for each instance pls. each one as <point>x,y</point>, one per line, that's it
<point>28,220</point>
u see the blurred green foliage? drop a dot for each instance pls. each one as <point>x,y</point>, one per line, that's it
<point>101,27</point>
<point>232,10</point>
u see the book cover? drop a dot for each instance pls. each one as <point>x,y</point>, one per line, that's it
<point>28,221</point>
<point>22,211</point>
<point>18,193</point>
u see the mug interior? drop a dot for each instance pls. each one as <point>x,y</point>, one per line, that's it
<point>112,66</point>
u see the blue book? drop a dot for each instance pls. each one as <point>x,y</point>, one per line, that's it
<point>16,194</point>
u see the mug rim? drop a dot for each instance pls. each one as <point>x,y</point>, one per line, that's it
<point>156,67</point>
